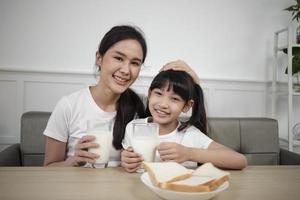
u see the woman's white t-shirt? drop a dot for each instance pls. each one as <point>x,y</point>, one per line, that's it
<point>68,121</point>
<point>190,137</point>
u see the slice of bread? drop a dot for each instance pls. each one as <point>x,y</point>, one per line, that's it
<point>173,176</point>
<point>192,184</point>
<point>162,173</point>
<point>209,170</point>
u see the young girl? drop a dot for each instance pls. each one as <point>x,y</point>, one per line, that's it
<point>120,55</point>
<point>172,92</point>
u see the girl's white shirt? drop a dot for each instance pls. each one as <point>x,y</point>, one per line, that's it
<point>68,121</point>
<point>189,137</point>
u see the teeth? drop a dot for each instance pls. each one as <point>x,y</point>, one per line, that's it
<point>120,79</point>
<point>161,112</point>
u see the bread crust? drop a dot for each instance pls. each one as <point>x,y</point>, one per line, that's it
<point>188,188</point>
<point>217,182</point>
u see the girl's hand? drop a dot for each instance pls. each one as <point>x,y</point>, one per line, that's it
<point>82,156</point>
<point>180,65</point>
<point>130,160</point>
<point>171,151</point>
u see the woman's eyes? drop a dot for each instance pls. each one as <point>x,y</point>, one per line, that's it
<point>134,63</point>
<point>118,58</point>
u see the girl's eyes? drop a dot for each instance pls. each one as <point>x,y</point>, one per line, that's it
<point>136,64</point>
<point>157,92</point>
<point>175,99</point>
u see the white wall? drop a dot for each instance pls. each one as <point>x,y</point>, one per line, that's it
<point>228,42</point>
<point>227,39</point>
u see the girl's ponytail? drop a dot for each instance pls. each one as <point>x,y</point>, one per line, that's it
<point>198,118</point>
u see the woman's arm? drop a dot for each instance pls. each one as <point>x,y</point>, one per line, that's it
<point>55,152</point>
<point>220,155</point>
<point>180,65</point>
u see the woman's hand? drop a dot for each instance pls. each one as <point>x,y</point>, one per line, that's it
<point>180,65</point>
<point>130,160</point>
<point>82,156</point>
<point>171,151</point>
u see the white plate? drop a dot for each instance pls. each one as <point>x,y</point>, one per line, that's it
<point>173,195</point>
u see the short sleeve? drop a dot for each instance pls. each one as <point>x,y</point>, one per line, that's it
<point>57,127</point>
<point>195,138</point>
<point>127,140</point>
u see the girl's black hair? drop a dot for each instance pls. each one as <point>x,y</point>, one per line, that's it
<point>129,104</point>
<point>183,85</point>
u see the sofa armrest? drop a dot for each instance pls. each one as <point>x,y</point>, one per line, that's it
<point>11,156</point>
<point>289,158</point>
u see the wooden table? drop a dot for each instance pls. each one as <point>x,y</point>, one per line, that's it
<point>254,182</point>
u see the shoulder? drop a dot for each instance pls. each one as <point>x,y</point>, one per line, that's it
<point>192,131</point>
<point>78,94</point>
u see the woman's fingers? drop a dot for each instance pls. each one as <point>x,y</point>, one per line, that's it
<point>86,142</point>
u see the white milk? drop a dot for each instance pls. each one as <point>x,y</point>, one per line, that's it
<point>146,146</point>
<point>104,139</point>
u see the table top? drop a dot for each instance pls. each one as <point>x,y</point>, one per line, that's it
<point>254,182</point>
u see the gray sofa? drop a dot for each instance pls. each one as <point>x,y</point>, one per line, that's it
<point>256,138</point>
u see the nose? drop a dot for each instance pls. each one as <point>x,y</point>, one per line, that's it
<point>125,68</point>
<point>164,102</point>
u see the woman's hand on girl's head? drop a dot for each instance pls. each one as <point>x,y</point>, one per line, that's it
<point>130,160</point>
<point>82,155</point>
<point>171,151</point>
<point>180,65</point>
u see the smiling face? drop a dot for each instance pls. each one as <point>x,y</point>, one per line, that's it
<point>120,65</point>
<point>165,107</point>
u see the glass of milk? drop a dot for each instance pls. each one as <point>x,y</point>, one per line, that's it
<point>102,130</point>
<point>145,140</point>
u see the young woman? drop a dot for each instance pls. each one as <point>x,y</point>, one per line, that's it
<point>121,53</point>
<point>172,92</point>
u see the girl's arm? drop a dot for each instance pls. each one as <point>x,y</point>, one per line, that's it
<point>55,152</point>
<point>220,155</point>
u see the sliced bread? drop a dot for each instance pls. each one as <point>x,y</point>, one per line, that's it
<point>192,184</point>
<point>162,173</point>
<point>209,170</point>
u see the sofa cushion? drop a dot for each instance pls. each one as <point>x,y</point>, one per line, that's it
<point>225,131</point>
<point>32,138</point>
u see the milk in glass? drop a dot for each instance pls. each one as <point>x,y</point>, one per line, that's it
<point>102,131</point>
<point>146,146</point>
<point>145,139</point>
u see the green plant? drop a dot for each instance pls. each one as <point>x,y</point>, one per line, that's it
<point>295,9</point>
<point>295,64</point>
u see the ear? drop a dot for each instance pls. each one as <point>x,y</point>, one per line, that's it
<point>98,58</point>
<point>187,106</point>
<point>149,93</point>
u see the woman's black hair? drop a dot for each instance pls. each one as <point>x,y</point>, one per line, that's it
<point>129,104</point>
<point>119,33</point>
<point>183,85</point>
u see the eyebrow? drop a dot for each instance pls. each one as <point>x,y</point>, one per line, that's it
<point>122,54</point>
